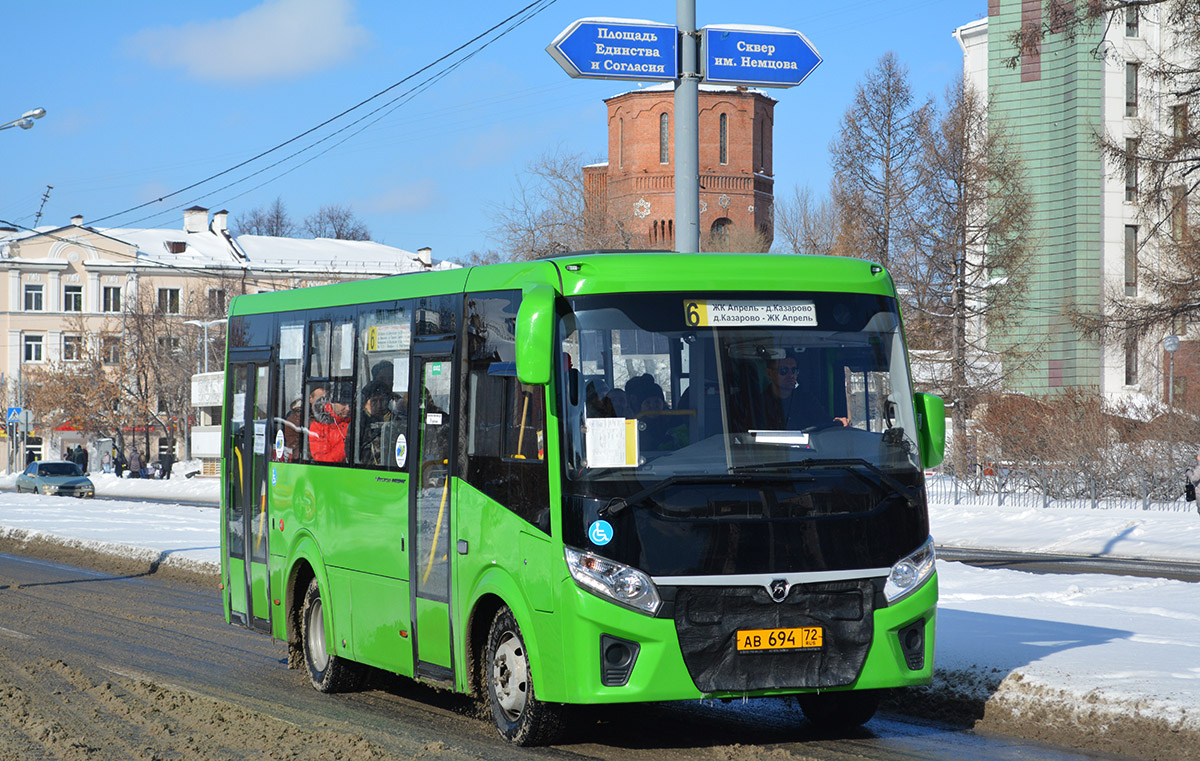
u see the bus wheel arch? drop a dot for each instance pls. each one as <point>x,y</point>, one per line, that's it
<point>328,671</point>
<point>300,577</point>
<point>478,627</point>
<point>520,716</point>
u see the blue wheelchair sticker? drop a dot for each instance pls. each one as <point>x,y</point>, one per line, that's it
<point>600,532</point>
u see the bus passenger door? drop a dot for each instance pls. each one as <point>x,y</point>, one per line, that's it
<point>246,497</point>
<point>431,518</point>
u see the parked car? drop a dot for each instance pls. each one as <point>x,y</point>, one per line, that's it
<point>55,477</point>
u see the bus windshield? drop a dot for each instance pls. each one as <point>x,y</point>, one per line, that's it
<point>738,408</point>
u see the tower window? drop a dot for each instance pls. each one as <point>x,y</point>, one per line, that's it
<point>664,131</point>
<point>724,138</point>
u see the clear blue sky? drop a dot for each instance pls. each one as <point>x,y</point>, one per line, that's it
<point>146,98</point>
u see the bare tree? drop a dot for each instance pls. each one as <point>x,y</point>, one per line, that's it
<point>875,161</point>
<point>550,213</point>
<point>271,220</point>
<point>971,260</point>
<point>804,224</point>
<point>79,390</point>
<point>336,221</point>
<point>1161,157</point>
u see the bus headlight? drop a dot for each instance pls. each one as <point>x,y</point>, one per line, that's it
<point>616,581</point>
<point>910,572</point>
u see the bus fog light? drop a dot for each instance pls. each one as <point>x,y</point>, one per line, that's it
<point>910,572</point>
<point>616,581</point>
<point>617,657</point>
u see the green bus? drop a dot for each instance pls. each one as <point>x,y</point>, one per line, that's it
<point>596,478</point>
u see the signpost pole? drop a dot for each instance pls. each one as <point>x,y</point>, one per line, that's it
<point>687,132</point>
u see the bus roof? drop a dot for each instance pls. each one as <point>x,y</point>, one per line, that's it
<point>598,272</point>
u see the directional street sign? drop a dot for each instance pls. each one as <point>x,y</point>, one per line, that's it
<point>604,48</point>
<point>761,56</point>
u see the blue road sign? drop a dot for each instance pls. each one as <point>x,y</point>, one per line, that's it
<point>14,415</point>
<point>600,48</point>
<point>761,56</point>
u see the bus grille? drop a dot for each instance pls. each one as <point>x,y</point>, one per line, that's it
<point>707,619</point>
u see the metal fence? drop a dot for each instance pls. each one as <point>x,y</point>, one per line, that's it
<point>1142,494</point>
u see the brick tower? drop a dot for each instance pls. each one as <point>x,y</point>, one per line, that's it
<point>636,188</point>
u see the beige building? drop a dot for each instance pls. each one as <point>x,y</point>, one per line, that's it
<point>70,289</point>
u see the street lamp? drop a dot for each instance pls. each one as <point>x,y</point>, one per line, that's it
<point>1171,344</point>
<point>206,324</point>
<point>26,120</point>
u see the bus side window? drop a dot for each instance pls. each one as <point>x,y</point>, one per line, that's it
<point>505,444</point>
<point>289,416</point>
<point>384,342</point>
<point>329,382</point>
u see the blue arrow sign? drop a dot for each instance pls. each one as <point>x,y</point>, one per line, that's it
<point>14,415</point>
<point>599,48</point>
<point>762,56</point>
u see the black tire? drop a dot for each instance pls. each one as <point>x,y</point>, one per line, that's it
<point>328,672</point>
<point>520,717</point>
<point>839,711</point>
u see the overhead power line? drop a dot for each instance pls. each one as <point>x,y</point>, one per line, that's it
<point>529,9</point>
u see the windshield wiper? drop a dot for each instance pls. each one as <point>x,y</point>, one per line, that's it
<point>618,504</point>
<point>849,464</point>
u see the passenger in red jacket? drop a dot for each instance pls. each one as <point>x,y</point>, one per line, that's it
<point>327,430</point>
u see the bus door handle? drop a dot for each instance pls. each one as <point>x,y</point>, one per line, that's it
<point>462,546</point>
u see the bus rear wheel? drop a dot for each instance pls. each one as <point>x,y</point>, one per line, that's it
<point>328,672</point>
<point>839,711</point>
<point>520,717</point>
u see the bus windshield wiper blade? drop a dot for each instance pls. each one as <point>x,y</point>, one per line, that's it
<point>849,464</point>
<point>620,503</point>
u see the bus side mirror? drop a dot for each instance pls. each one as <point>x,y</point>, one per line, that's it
<point>535,335</point>
<point>931,434</point>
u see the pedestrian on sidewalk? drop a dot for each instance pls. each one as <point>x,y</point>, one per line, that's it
<point>1193,480</point>
<point>136,464</point>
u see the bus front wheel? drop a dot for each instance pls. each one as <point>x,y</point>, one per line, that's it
<point>328,672</point>
<point>839,711</point>
<point>520,717</point>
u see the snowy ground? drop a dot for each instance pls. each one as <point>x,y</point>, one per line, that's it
<point>1102,650</point>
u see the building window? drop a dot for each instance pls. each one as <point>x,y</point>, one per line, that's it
<point>73,298</point>
<point>168,344</point>
<point>1131,169</point>
<point>1131,232</point>
<point>33,298</point>
<point>1131,360</point>
<point>1131,89</point>
<point>1131,22</point>
<point>724,138</point>
<point>1179,121</point>
<point>110,350</point>
<point>112,298</point>
<point>33,349</point>
<point>664,135</point>
<point>1178,212</point>
<point>72,348</point>
<point>168,300</point>
<point>216,301</point>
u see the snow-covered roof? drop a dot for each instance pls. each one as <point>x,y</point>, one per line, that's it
<point>214,248</point>
<point>266,252</point>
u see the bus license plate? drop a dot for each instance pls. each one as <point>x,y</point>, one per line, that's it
<point>798,638</point>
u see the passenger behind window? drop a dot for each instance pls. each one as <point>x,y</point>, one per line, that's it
<point>293,424</point>
<point>375,434</point>
<point>596,396</point>
<point>647,404</point>
<point>329,425</point>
